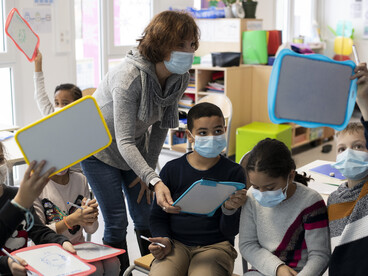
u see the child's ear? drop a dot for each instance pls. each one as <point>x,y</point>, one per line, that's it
<point>189,136</point>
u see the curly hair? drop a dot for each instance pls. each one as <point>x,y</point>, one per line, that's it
<point>164,32</point>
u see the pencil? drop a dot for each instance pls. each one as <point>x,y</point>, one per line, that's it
<point>355,55</point>
<point>74,205</point>
<point>10,256</point>
<point>159,244</point>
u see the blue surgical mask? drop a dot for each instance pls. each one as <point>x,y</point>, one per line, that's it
<point>180,62</point>
<point>352,164</point>
<point>209,146</point>
<point>270,198</point>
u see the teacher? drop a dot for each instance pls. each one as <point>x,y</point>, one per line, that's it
<point>139,101</point>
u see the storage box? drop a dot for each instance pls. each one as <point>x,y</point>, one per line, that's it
<point>249,135</point>
<point>226,59</point>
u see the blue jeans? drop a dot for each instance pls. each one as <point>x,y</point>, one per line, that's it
<point>108,184</point>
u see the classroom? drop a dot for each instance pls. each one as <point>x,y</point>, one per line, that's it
<point>289,70</point>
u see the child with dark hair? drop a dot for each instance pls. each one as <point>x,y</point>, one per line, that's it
<point>283,225</point>
<point>64,93</point>
<point>198,245</point>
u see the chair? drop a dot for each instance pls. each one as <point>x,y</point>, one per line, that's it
<point>224,103</point>
<point>88,91</point>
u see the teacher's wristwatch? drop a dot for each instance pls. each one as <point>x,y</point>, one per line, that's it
<point>153,182</point>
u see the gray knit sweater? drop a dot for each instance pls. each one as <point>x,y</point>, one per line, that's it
<point>131,100</point>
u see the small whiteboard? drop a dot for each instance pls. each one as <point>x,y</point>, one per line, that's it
<point>22,34</point>
<point>204,196</point>
<point>311,90</point>
<point>66,137</point>
<point>52,260</point>
<point>93,252</point>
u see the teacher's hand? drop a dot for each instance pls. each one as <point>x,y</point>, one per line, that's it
<point>163,197</point>
<point>144,188</point>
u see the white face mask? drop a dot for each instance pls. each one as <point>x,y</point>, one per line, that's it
<point>57,109</point>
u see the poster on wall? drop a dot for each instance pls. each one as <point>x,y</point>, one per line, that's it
<point>356,9</point>
<point>39,19</point>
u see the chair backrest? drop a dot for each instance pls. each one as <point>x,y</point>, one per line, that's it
<point>243,162</point>
<point>88,91</point>
<point>224,103</point>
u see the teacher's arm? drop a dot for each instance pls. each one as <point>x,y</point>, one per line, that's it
<point>125,110</point>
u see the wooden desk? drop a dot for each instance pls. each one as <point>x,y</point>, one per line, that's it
<point>13,156</point>
<point>323,184</point>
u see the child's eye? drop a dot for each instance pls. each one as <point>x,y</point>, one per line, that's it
<point>340,150</point>
<point>358,147</point>
<point>202,133</point>
<point>219,131</point>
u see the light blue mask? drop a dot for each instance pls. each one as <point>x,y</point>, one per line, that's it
<point>209,146</point>
<point>270,198</point>
<point>180,62</point>
<point>353,164</point>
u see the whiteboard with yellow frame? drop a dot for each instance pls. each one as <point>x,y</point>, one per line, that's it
<point>66,137</point>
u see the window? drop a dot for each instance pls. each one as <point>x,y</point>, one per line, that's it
<point>7,62</point>
<point>297,19</point>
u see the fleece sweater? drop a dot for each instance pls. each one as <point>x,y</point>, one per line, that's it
<point>295,233</point>
<point>348,219</point>
<point>135,107</point>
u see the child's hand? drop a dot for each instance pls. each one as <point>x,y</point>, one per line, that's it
<point>69,247</point>
<point>17,269</point>
<point>38,62</point>
<point>90,203</point>
<point>32,184</point>
<point>284,270</point>
<point>236,200</point>
<point>84,217</point>
<point>157,251</point>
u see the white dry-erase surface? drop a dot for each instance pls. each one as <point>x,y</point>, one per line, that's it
<point>52,260</point>
<point>204,196</point>
<point>92,252</point>
<point>65,137</point>
<point>22,34</point>
<point>311,90</point>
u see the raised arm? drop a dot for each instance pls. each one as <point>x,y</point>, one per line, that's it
<point>44,104</point>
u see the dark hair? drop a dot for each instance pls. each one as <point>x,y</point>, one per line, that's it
<point>164,32</point>
<point>273,158</point>
<point>75,90</point>
<point>2,157</point>
<point>203,110</point>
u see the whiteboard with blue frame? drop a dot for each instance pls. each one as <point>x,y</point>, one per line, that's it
<point>205,196</point>
<point>311,90</point>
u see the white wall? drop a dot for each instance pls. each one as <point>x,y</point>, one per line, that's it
<point>266,11</point>
<point>57,67</point>
<point>334,10</point>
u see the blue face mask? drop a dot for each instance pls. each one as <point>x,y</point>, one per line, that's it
<point>270,198</point>
<point>180,62</point>
<point>209,146</point>
<point>352,164</point>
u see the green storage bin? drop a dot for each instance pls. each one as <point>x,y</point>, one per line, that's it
<point>255,47</point>
<point>249,135</point>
